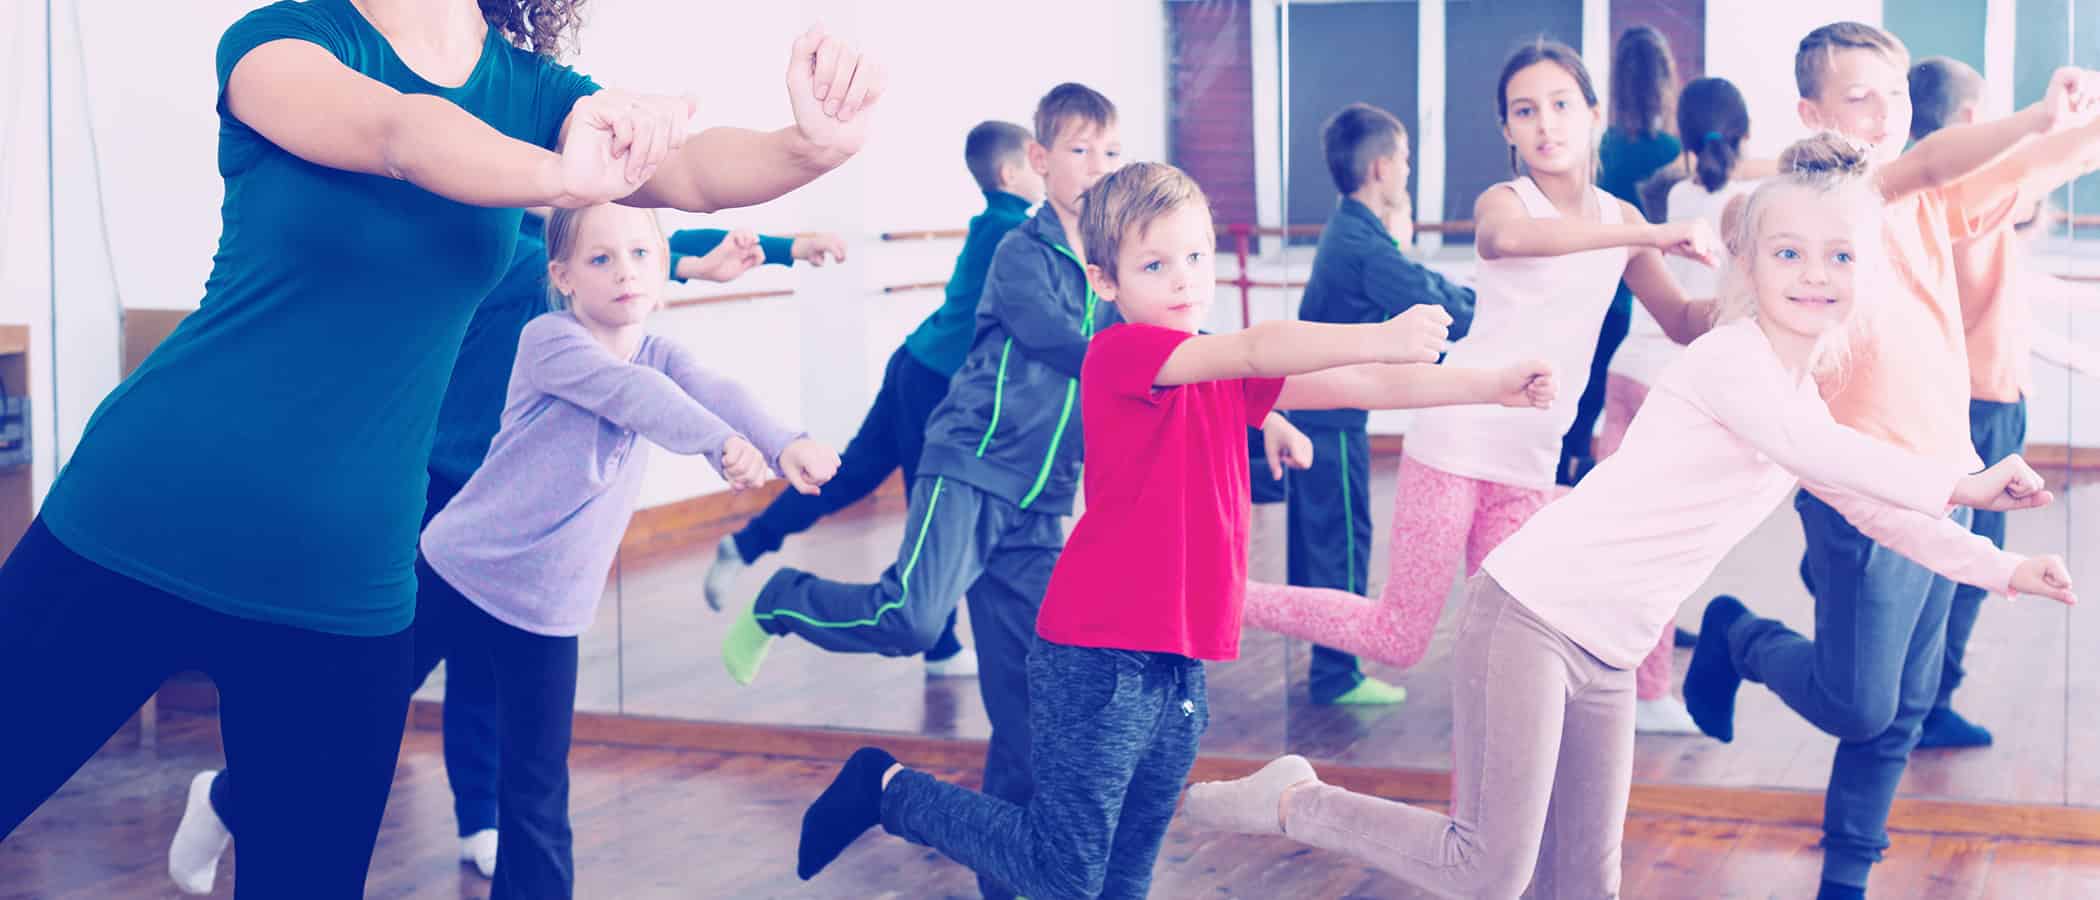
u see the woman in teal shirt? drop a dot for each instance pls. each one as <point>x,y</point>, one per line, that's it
<point>247,502</point>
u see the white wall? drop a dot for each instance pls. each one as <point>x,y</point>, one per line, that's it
<point>1752,44</point>
<point>815,358</point>
<point>25,271</point>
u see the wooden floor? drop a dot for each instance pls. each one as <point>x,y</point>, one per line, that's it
<point>2022,681</point>
<point>671,824</point>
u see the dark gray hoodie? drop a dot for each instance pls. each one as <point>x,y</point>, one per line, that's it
<point>1010,423</point>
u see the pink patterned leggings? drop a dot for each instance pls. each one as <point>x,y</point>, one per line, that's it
<point>1439,521</point>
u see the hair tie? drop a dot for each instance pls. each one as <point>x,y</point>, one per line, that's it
<point>1714,137</point>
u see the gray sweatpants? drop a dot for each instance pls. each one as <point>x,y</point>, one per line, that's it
<point>1542,760</point>
<point>1115,735</point>
<point>958,541</point>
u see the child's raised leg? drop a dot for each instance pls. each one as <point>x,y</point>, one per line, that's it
<point>1430,519</point>
<point>1512,678</point>
<point>950,529</point>
<point>1431,510</point>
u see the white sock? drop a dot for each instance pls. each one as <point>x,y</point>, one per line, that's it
<point>479,848</point>
<point>193,857</point>
<point>1663,715</point>
<point>729,566</point>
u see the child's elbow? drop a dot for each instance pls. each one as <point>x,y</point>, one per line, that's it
<point>1255,351</point>
<point>1498,243</point>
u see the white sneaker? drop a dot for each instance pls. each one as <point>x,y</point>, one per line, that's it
<point>1663,715</point>
<point>962,665</point>
<point>723,575</point>
<point>479,848</point>
<point>200,839</point>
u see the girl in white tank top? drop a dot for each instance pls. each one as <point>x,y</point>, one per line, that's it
<point>1553,248</point>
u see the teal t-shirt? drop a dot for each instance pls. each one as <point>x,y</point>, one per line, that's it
<point>941,342</point>
<point>267,461</point>
<point>1626,160</point>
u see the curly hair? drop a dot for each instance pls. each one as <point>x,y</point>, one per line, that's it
<point>546,27</point>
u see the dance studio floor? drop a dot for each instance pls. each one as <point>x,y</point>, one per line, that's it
<point>2019,670</point>
<point>672,824</point>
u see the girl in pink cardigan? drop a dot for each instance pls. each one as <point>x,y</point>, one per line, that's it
<point>1563,611</point>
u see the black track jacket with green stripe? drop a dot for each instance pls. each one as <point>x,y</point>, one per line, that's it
<point>1010,423</point>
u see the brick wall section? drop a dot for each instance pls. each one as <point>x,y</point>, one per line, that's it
<point>1210,128</point>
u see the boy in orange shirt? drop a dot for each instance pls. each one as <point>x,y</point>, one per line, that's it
<point>1874,674</point>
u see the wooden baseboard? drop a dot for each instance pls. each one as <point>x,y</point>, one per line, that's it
<point>1429,788</point>
<point>2054,457</point>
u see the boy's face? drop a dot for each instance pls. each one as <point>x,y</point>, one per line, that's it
<point>1165,272</point>
<point>1019,178</point>
<point>1864,96</point>
<point>1078,157</point>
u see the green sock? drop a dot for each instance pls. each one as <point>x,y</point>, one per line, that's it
<point>744,647</point>
<point>1372,692</point>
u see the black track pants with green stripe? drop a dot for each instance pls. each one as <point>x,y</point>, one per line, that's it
<point>956,537</point>
<point>1328,538</point>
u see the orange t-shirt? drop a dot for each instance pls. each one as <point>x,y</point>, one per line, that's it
<point>1995,314</point>
<point>1907,381</point>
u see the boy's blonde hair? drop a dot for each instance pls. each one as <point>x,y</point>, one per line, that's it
<point>562,226</point>
<point>1812,59</point>
<point>1126,202</point>
<point>1834,167</point>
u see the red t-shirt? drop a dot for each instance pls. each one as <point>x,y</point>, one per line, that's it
<point>1158,561</point>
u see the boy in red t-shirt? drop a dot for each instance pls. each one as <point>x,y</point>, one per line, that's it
<point>1152,578</point>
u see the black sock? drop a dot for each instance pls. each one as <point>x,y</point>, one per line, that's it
<point>850,806</point>
<point>1711,681</point>
<point>945,648</point>
<point>1832,890</point>
<point>744,549</point>
<point>1686,639</point>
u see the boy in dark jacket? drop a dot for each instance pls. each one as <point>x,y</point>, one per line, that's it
<point>894,432</point>
<point>999,470</point>
<point>1358,276</point>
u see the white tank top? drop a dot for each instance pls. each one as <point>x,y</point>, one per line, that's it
<point>1536,307</point>
<point>1647,350</point>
